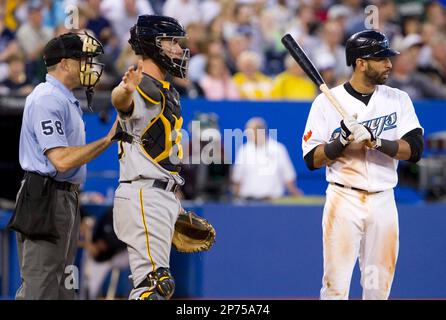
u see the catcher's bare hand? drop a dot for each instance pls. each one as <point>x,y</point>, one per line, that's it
<point>132,78</point>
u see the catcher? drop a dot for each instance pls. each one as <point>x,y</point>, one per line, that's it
<point>146,208</point>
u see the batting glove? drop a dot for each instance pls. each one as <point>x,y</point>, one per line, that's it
<point>363,133</point>
<point>348,126</point>
<point>374,142</point>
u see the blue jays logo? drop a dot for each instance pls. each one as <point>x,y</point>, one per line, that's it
<point>377,125</point>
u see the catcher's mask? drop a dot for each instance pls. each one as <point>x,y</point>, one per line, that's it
<point>146,39</point>
<point>82,47</point>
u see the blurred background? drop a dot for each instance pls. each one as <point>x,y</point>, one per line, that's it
<point>268,242</point>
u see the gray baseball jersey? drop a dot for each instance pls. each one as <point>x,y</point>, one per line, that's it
<point>135,161</point>
<point>149,150</point>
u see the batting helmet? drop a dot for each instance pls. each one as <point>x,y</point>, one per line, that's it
<point>367,44</point>
<point>146,36</point>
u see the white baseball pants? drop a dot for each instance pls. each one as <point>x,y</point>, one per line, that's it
<point>357,224</point>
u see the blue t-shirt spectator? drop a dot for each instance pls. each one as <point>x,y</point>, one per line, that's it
<point>97,25</point>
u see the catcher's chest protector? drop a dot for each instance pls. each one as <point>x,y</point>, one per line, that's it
<point>161,139</point>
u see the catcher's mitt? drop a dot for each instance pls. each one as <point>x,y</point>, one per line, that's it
<point>192,233</point>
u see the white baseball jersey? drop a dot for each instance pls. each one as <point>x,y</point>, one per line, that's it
<point>389,114</point>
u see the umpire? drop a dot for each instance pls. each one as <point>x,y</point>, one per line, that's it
<point>53,155</point>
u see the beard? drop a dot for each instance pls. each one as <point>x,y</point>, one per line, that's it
<point>374,77</point>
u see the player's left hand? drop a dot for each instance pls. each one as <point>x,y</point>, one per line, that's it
<point>366,136</point>
<point>132,78</point>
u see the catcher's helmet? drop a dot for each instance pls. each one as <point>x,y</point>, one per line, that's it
<point>146,36</point>
<point>367,44</point>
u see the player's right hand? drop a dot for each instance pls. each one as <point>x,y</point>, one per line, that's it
<point>132,78</point>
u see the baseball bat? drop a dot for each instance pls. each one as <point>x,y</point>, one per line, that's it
<point>308,67</point>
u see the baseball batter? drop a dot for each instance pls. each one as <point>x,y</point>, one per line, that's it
<point>361,155</point>
<point>145,206</point>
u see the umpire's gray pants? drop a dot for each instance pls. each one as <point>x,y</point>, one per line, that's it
<point>43,265</point>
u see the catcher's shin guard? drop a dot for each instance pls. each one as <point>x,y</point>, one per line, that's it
<point>165,284</point>
<point>159,283</point>
<point>150,295</point>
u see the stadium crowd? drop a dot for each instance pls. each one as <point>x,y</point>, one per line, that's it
<point>235,45</point>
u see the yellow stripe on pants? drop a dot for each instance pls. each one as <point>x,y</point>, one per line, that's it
<point>146,230</point>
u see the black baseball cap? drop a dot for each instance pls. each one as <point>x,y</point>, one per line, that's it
<point>65,46</point>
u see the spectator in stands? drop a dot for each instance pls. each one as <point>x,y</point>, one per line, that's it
<point>217,83</point>
<point>82,22</point>
<point>355,21</point>
<point>262,169</point>
<point>53,13</point>
<point>386,18</point>
<point>17,82</point>
<point>435,14</point>
<point>340,14</point>
<point>197,64</point>
<point>211,9</point>
<point>292,84</point>
<point>332,36</point>
<point>122,15</point>
<point>438,61</point>
<point>434,60</point>
<point>274,21</point>
<point>10,19</point>
<point>326,65</point>
<point>196,33</point>
<point>302,27</point>
<point>320,8</point>
<point>215,27</point>
<point>410,24</point>
<point>185,11</point>
<point>100,25</point>
<point>244,22</point>
<point>8,45</point>
<point>235,45</point>
<point>33,36</point>
<point>428,33</point>
<point>251,83</point>
<point>405,77</point>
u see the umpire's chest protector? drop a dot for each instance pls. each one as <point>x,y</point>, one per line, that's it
<point>161,139</point>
